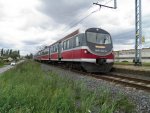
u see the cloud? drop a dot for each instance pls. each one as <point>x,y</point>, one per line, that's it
<point>27,25</point>
<point>146,21</point>
<point>124,38</point>
<point>5,44</point>
<point>64,10</point>
<point>33,42</point>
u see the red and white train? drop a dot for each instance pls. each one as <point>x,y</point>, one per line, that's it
<point>91,51</point>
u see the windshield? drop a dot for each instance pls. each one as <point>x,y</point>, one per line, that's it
<point>98,38</point>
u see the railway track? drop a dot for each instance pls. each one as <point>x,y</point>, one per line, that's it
<point>126,81</point>
<point>133,82</point>
<point>139,84</point>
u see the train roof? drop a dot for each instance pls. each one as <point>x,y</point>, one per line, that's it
<point>97,30</point>
<point>76,32</point>
<point>71,34</point>
<point>68,36</point>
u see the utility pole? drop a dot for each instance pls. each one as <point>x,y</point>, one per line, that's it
<point>114,7</point>
<point>138,33</point>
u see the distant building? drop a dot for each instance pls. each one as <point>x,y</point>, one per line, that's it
<point>10,59</point>
<point>128,55</point>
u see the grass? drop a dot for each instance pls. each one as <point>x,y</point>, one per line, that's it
<point>27,89</point>
<point>1,63</point>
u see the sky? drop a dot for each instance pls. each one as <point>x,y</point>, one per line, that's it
<point>28,25</point>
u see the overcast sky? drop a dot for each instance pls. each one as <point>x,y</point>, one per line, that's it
<point>26,25</point>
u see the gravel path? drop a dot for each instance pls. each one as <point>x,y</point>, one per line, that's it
<point>7,67</point>
<point>141,98</point>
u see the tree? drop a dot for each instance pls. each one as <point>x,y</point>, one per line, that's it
<point>14,55</point>
<point>18,53</point>
<point>29,56</point>
<point>2,52</point>
<point>7,53</point>
<point>10,52</point>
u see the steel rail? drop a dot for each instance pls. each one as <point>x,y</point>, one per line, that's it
<point>139,84</point>
<point>135,83</point>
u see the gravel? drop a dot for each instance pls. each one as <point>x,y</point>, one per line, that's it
<point>141,98</point>
<point>7,67</point>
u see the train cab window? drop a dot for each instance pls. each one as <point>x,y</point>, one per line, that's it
<point>77,41</point>
<point>98,38</point>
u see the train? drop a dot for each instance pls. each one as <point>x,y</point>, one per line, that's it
<point>91,51</point>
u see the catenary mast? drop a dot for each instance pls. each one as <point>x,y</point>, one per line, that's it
<point>138,33</point>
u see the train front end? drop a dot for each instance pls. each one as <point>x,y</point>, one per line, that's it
<point>100,50</point>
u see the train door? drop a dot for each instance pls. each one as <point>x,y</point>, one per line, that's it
<point>59,51</point>
<point>77,51</point>
<point>49,53</point>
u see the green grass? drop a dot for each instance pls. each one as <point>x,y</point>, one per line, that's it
<point>1,63</point>
<point>27,89</point>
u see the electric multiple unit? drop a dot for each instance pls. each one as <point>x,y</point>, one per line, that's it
<point>91,51</point>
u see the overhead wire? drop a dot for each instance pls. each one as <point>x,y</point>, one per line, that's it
<point>73,23</point>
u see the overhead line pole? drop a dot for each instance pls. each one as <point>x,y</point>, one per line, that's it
<point>138,33</point>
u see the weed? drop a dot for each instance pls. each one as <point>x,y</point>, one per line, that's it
<point>27,89</point>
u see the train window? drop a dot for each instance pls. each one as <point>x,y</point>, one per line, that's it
<point>77,41</point>
<point>63,45</point>
<point>70,43</point>
<point>98,38</point>
<point>67,44</point>
<point>56,48</point>
<point>46,52</point>
<point>53,48</point>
